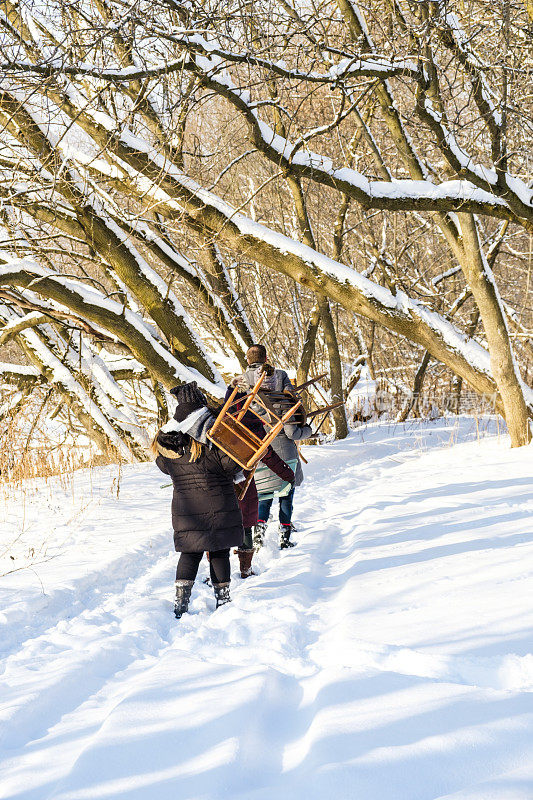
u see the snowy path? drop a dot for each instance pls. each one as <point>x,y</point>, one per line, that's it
<point>387,657</point>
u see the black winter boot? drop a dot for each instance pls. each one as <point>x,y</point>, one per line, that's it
<point>183,595</point>
<point>259,535</point>
<point>222,593</point>
<point>285,537</point>
<point>245,562</point>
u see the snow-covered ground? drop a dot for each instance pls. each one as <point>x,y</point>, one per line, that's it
<point>387,657</point>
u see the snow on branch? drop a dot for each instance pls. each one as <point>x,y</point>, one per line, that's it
<point>455,195</point>
<point>513,200</point>
<point>150,290</point>
<point>375,66</point>
<point>60,375</point>
<point>129,327</point>
<point>191,272</point>
<point>397,312</point>
<point>454,37</point>
<point>59,66</point>
<point>122,367</point>
<point>57,373</point>
<point>394,195</point>
<point>185,198</point>
<point>13,327</point>
<point>18,369</point>
<point>92,372</point>
<point>18,374</point>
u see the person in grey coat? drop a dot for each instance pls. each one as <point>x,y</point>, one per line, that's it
<point>284,445</point>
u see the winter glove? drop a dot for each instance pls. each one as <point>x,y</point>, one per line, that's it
<point>240,382</point>
<point>189,398</point>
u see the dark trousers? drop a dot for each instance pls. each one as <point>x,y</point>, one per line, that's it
<point>219,566</point>
<point>248,543</point>
<point>285,508</point>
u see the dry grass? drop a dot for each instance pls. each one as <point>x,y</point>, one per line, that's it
<point>39,458</point>
<point>34,445</point>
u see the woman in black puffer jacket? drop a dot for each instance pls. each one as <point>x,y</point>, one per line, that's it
<point>205,512</point>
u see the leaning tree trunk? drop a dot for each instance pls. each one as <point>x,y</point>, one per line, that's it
<point>58,377</point>
<point>504,369</point>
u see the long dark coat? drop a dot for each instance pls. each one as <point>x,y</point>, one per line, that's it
<point>205,511</point>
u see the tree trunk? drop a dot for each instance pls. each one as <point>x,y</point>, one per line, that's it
<point>330,334</point>
<point>412,402</point>
<point>335,368</point>
<point>309,345</point>
<point>504,369</point>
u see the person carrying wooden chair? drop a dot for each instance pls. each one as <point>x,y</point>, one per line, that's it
<point>275,384</point>
<point>248,499</point>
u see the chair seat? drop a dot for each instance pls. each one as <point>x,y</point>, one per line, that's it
<point>236,440</point>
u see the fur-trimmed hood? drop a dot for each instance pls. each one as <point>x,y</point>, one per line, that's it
<point>166,452</point>
<point>173,438</point>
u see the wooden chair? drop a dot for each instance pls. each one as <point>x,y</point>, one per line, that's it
<point>235,439</point>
